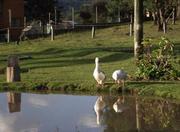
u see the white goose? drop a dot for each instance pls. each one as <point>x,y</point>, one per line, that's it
<point>98,108</point>
<point>99,76</point>
<point>119,76</point>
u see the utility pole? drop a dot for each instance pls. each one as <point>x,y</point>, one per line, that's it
<point>10,17</point>
<point>96,14</point>
<point>55,15</point>
<point>138,28</point>
<point>25,22</point>
<point>119,15</point>
<point>49,17</point>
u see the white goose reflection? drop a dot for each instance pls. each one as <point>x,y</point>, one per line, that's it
<point>99,108</point>
<point>119,106</point>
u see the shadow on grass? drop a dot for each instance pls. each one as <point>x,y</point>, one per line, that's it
<point>52,57</point>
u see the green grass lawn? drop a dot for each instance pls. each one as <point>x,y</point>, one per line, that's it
<point>70,58</point>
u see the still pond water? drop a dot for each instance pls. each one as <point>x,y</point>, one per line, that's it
<point>22,112</point>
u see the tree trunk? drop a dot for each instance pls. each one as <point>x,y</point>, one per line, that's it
<point>160,19</point>
<point>138,28</point>
<point>173,16</point>
<point>178,10</point>
<point>154,18</point>
<point>164,27</point>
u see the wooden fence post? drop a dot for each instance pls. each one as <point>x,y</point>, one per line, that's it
<point>131,26</point>
<point>8,35</point>
<point>13,69</point>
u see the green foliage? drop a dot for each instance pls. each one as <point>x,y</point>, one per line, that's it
<point>86,14</point>
<point>39,9</point>
<point>157,65</point>
<point>124,6</point>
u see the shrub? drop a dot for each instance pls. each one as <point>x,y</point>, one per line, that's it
<point>157,64</point>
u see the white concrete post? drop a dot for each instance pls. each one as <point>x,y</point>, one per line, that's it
<point>93,31</point>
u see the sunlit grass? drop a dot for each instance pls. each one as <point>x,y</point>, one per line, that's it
<point>70,58</point>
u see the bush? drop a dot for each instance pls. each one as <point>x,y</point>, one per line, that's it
<point>157,65</point>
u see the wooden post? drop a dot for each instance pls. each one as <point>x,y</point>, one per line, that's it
<point>130,29</point>
<point>49,17</point>
<point>131,26</point>
<point>8,35</point>
<point>52,33</point>
<point>138,28</point>
<point>93,31</point>
<point>13,69</point>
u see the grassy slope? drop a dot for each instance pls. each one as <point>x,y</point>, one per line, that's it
<point>70,58</point>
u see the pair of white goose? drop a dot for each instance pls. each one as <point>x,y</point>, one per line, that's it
<point>118,75</point>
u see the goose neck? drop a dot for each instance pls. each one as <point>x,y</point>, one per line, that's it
<point>97,65</point>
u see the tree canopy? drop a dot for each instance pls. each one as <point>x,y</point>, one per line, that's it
<point>39,9</point>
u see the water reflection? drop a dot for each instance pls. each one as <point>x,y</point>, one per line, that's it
<point>14,102</point>
<point>71,113</point>
<point>119,106</point>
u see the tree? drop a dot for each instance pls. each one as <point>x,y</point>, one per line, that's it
<point>101,9</point>
<point>162,10</point>
<point>39,9</point>
<point>178,10</point>
<point>123,7</point>
<point>85,14</point>
<point>138,28</point>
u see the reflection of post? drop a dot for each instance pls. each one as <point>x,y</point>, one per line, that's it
<point>14,102</point>
<point>137,115</point>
